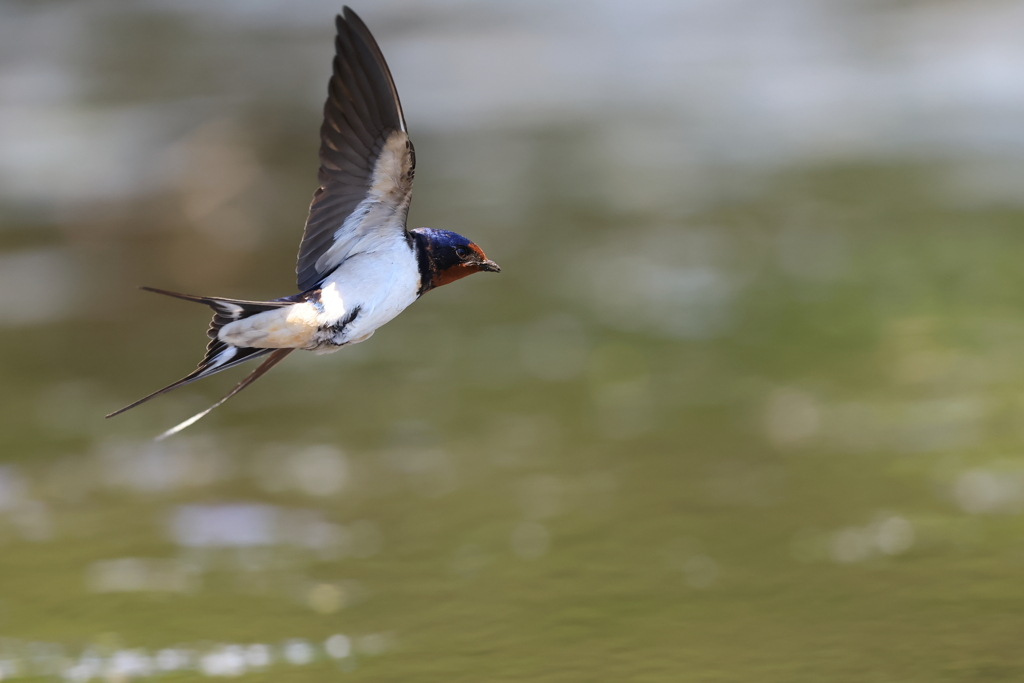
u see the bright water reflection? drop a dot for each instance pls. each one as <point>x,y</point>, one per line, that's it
<point>744,403</point>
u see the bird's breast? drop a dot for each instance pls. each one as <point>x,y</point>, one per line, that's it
<point>380,284</point>
<point>365,292</point>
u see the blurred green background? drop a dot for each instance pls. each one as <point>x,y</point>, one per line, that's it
<point>744,404</point>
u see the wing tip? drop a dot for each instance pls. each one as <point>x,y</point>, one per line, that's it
<point>351,23</point>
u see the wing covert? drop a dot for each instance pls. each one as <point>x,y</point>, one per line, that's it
<point>366,158</point>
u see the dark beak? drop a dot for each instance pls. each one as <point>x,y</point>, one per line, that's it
<point>490,266</point>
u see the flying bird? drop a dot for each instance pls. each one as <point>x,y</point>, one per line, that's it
<point>358,265</point>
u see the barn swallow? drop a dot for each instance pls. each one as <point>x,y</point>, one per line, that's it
<point>358,265</point>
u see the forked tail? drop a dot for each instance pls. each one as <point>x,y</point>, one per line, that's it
<point>219,355</point>
<point>276,356</point>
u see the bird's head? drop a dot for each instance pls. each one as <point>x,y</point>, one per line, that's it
<point>446,256</point>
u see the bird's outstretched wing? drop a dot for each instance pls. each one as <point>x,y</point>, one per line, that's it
<point>366,158</point>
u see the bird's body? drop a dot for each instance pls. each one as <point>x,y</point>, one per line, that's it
<point>365,292</point>
<point>358,265</point>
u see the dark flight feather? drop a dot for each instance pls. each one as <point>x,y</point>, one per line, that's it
<point>361,113</point>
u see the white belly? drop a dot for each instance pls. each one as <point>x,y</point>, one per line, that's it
<point>366,291</point>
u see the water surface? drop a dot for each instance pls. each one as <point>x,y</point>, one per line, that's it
<point>744,403</point>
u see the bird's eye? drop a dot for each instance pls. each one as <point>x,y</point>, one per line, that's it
<point>461,252</point>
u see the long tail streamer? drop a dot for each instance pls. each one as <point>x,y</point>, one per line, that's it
<point>274,358</point>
